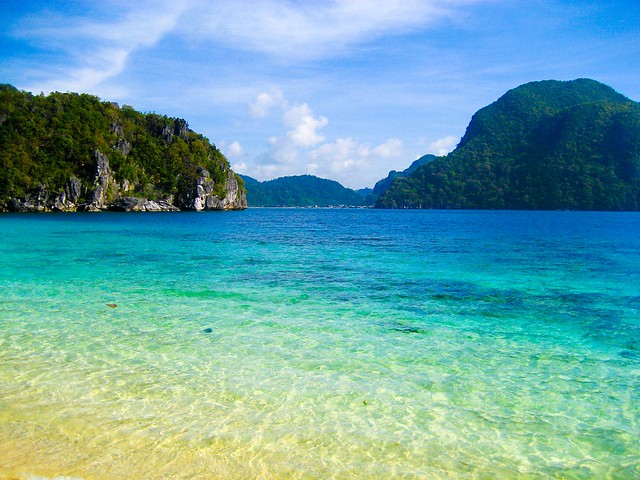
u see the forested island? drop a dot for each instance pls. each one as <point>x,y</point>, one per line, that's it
<point>74,152</point>
<point>544,145</point>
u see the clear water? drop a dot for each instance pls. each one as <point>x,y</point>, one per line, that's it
<point>320,344</point>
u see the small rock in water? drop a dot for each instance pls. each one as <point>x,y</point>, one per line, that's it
<point>208,330</point>
<point>111,305</point>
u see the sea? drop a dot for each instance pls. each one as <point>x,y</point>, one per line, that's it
<point>320,344</point>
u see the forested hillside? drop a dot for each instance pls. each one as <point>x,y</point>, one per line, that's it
<point>543,145</point>
<point>301,191</point>
<point>382,185</point>
<point>68,151</point>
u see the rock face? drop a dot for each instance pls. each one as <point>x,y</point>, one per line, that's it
<point>236,198</point>
<point>107,194</point>
<point>104,184</point>
<point>67,201</point>
<point>133,204</point>
<point>202,194</point>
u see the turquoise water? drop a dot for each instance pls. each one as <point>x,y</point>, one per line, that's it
<point>320,344</point>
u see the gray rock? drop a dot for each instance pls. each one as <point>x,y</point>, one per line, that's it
<point>123,147</point>
<point>181,128</point>
<point>73,190</point>
<point>127,204</point>
<point>102,183</point>
<point>67,200</point>
<point>167,133</point>
<point>201,197</point>
<point>134,204</point>
<point>116,128</point>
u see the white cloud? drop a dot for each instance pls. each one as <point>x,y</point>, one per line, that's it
<point>265,101</point>
<point>304,149</point>
<point>355,164</point>
<point>388,149</point>
<point>304,126</point>
<point>442,146</point>
<point>239,167</point>
<point>234,150</point>
<point>311,30</point>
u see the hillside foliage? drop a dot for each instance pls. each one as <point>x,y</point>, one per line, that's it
<point>300,191</point>
<point>543,145</point>
<point>46,140</point>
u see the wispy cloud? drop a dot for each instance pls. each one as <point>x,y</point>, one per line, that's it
<point>94,48</point>
<point>301,30</point>
<point>95,51</point>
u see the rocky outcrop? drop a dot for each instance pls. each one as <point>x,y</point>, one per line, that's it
<point>123,146</point>
<point>236,198</point>
<point>134,204</point>
<point>203,194</point>
<point>104,184</point>
<point>179,128</point>
<point>106,194</point>
<point>35,201</point>
<point>68,199</point>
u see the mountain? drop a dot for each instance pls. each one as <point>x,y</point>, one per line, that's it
<point>301,191</point>
<point>69,152</point>
<point>543,145</point>
<point>382,185</point>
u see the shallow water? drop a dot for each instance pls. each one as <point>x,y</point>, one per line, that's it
<point>320,344</point>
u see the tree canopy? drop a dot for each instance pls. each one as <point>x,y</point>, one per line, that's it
<point>46,140</point>
<point>300,191</point>
<point>543,145</point>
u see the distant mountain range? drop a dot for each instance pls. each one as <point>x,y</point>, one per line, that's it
<point>303,191</point>
<point>312,191</point>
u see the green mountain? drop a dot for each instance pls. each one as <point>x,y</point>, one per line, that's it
<point>543,145</point>
<point>69,152</point>
<point>383,185</point>
<point>301,191</point>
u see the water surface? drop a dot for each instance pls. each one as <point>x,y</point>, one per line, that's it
<point>319,343</point>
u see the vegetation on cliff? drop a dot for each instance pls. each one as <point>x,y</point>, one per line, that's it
<point>543,145</point>
<point>78,144</point>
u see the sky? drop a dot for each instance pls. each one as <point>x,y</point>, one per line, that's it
<point>342,89</point>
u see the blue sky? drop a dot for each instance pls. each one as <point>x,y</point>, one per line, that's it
<point>342,89</point>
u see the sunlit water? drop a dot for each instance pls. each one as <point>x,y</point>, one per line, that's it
<point>320,344</point>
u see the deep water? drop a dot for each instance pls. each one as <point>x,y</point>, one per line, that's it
<point>317,343</point>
